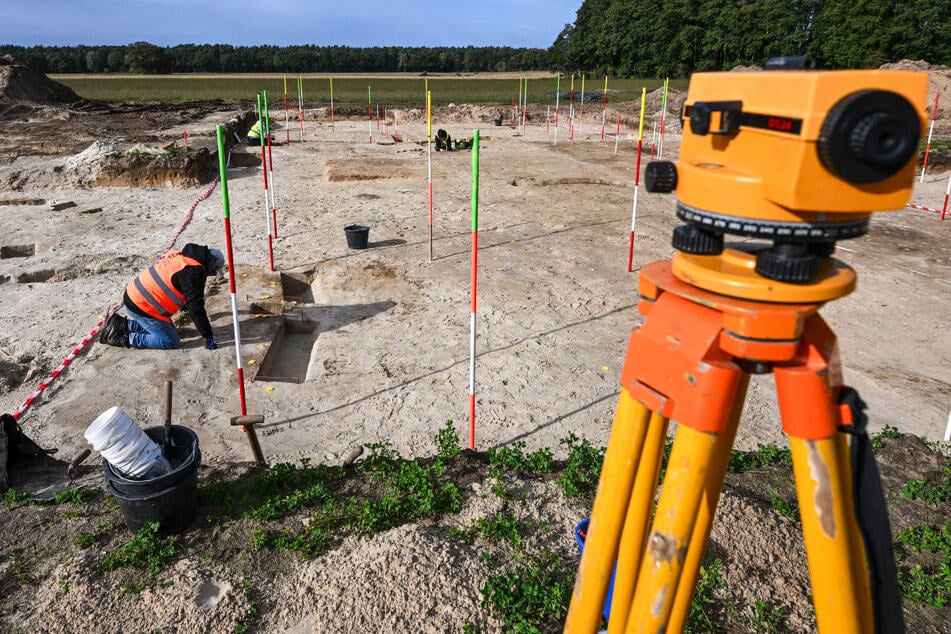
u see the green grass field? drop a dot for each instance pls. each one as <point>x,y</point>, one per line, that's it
<point>397,90</point>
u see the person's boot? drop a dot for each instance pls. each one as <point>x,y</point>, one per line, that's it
<point>115,332</point>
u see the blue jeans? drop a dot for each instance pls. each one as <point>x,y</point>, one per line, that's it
<point>147,332</point>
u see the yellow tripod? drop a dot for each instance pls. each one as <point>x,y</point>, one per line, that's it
<point>691,361</point>
<point>800,159</point>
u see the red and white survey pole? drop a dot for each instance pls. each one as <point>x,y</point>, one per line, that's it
<point>475,278</point>
<point>617,134</point>
<point>571,98</point>
<point>557,100</point>
<point>267,197</point>
<point>429,145</point>
<point>231,282</point>
<point>581,109</point>
<point>637,179</point>
<point>300,107</point>
<point>370,112</point>
<point>270,164</point>
<point>287,116</point>
<point>947,192</point>
<point>525,110</point>
<point>934,115</point>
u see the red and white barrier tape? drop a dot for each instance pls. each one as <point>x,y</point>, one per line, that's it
<point>62,366</point>
<point>923,208</point>
<point>188,216</point>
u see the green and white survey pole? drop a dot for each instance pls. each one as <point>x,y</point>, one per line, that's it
<point>663,121</point>
<point>475,278</point>
<point>229,252</point>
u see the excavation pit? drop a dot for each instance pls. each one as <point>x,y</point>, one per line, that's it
<point>23,201</point>
<point>34,277</point>
<point>288,357</point>
<point>297,287</point>
<point>17,251</point>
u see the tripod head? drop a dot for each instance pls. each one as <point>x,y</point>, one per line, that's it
<point>792,156</point>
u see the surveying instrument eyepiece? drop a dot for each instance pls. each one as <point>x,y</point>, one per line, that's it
<point>790,160</point>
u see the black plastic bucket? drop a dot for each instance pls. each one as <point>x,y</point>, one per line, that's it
<point>357,236</point>
<point>169,499</point>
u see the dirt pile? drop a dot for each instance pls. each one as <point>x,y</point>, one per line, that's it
<point>107,164</point>
<point>939,83</point>
<point>22,84</point>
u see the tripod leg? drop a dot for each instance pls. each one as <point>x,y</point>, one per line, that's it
<point>708,507</point>
<point>636,523</point>
<point>614,490</point>
<point>807,390</point>
<point>691,458</point>
<point>840,585</point>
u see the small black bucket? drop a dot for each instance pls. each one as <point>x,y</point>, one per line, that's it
<point>357,236</point>
<point>169,499</point>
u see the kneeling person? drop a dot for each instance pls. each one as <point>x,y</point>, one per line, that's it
<point>176,281</point>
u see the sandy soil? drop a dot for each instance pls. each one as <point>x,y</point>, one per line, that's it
<point>345,347</point>
<point>387,358</point>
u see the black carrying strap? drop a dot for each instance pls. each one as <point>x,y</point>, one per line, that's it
<point>872,516</point>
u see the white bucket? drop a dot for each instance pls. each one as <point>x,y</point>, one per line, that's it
<point>126,447</point>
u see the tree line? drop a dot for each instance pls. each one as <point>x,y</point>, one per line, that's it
<point>673,38</point>
<point>144,57</point>
<point>620,38</point>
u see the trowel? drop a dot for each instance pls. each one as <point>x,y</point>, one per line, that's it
<point>47,493</point>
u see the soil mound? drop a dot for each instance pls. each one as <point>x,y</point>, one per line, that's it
<point>107,165</point>
<point>939,83</point>
<point>22,84</point>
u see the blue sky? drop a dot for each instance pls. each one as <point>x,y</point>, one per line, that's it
<point>517,23</point>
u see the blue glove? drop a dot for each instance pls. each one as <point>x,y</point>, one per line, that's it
<point>211,344</point>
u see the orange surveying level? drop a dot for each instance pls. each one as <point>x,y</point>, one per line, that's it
<point>796,159</point>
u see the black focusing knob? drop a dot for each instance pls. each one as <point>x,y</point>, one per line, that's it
<point>660,177</point>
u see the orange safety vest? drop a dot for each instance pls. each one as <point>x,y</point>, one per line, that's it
<point>153,292</point>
